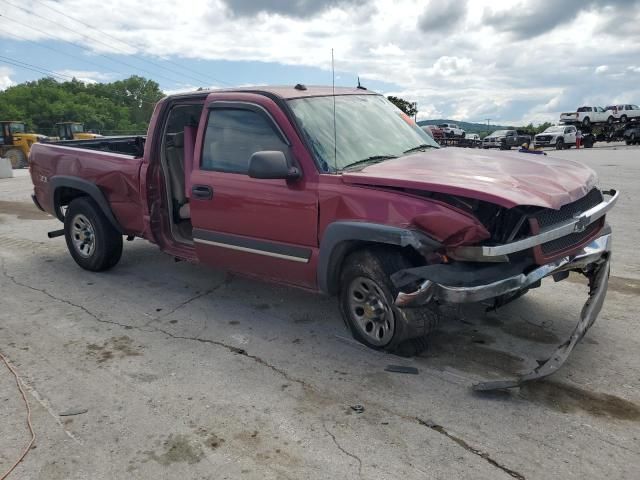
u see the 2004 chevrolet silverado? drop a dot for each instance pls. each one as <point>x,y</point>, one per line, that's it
<point>337,192</point>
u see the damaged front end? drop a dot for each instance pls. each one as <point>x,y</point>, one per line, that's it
<point>556,242</point>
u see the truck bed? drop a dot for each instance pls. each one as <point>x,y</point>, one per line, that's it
<point>60,170</point>
<point>126,145</point>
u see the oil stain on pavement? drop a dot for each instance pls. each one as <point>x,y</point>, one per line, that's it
<point>570,399</point>
<point>114,347</point>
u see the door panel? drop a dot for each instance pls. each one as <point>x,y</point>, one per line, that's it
<point>266,228</point>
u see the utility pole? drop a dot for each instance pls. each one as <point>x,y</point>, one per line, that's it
<point>488,129</point>
<point>415,117</point>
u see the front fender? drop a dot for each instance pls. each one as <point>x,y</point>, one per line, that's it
<point>340,236</point>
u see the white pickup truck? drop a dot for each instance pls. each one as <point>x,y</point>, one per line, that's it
<point>559,136</point>
<point>451,130</point>
<point>585,116</point>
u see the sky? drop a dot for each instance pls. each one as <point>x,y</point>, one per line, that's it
<point>510,62</point>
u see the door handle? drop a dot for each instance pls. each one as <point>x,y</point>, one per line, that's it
<point>202,192</point>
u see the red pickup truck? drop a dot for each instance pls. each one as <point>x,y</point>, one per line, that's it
<point>337,192</point>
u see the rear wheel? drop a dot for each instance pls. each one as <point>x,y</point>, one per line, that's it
<point>560,144</point>
<point>586,122</point>
<point>367,304</point>
<point>623,119</point>
<point>16,157</point>
<point>91,239</point>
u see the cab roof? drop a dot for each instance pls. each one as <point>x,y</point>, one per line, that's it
<point>285,92</point>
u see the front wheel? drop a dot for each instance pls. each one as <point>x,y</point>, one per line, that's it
<point>92,241</point>
<point>559,144</point>
<point>610,120</point>
<point>16,157</point>
<point>623,119</point>
<point>367,297</point>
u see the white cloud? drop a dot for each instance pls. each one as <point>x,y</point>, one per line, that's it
<point>85,76</point>
<point>448,66</point>
<point>484,60</point>
<point>5,78</point>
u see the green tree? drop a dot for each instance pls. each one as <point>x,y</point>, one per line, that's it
<point>407,107</point>
<point>121,107</point>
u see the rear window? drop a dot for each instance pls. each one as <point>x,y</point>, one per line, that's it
<point>584,109</point>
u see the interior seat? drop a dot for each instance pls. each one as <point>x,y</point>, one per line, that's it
<point>175,164</point>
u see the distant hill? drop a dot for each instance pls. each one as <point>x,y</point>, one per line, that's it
<point>479,128</point>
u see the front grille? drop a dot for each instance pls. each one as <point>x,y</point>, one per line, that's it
<point>543,138</point>
<point>568,241</point>
<point>550,217</point>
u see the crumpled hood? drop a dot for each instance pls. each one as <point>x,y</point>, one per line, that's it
<point>504,178</point>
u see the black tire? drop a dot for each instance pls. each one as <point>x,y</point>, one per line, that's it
<point>610,120</point>
<point>411,326</point>
<point>632,139</point>
<point>623,119</point>
<point>586,121</point>
<point>560,144</point>
<point>16,157</point>
<point>85,223</point>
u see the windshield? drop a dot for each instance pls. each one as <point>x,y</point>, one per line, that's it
<point>15,127</point>
<point>554,129</point>
<point>499,133</point>
<point>77,128</point>
<point>367,127</point>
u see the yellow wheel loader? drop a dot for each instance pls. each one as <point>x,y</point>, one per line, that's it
<point>15,142</point>
<point>73,131</point>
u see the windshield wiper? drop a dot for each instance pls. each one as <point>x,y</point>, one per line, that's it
<point>371,159</point>
<point>419,147</point>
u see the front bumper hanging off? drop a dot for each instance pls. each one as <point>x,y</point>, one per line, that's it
<point>468,284</point>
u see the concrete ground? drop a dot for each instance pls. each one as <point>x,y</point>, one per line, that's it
<point>187,372</point>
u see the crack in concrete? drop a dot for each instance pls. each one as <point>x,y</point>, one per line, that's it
<point>227,281</point>
<point>53,297</point>
<point>341,448</point>
<point>151,328</point>
<point>440,429</point>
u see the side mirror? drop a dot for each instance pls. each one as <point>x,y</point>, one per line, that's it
<point>271,165</point>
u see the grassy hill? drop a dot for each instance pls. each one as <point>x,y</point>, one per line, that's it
<point>479,128</point>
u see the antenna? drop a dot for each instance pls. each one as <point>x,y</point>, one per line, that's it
<point>335,132</point>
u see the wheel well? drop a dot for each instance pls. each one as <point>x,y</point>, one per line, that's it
<point>346,248</point>
<point>63,196</point>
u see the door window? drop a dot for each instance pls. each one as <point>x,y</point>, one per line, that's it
<point>233,135</point>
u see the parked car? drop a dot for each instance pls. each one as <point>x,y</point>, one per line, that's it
<point>623,113</point>
<point>505,139</point>
<point>434,131</point>
<point>559,136</point>
<point>585,116</point>
<point>384,219</point>
<point>451,130</point>
<point>632,135</point>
